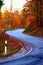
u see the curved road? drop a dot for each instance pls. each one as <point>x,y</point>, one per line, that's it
<point>33,58</point>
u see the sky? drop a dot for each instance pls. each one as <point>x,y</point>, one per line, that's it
<point>16,5</point>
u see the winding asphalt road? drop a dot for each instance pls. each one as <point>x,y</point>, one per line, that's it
<point>35,57</point>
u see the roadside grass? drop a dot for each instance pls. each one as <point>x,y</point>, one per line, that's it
<point>13,45</point>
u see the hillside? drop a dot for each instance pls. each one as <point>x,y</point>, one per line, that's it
<point>36,32</point>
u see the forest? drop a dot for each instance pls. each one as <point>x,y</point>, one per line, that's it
<point>30,16</point>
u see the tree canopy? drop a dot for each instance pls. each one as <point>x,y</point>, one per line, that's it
<point>1,3</point>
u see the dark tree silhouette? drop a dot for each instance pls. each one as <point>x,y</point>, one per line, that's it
<point>1,3</point>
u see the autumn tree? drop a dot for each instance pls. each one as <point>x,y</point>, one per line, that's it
<point>1,3</point>
<point>35,7</point>
<point>5,19</point>
<point>28,16</point>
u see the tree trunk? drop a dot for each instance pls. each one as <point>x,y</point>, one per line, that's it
<point>10,16</point>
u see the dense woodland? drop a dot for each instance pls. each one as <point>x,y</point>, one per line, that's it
<point>30,17</point>
<point>34,13</point>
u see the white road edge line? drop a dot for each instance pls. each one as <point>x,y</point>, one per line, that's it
<point>24,54</point>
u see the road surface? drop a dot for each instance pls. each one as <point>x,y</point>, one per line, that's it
<point>35,57</point>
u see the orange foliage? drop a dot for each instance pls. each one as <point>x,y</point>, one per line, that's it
<point>1,29</point>
<point>15,20</point>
